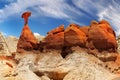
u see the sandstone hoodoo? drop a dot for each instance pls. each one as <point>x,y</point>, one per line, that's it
<point>55,38</point>
<point>27,40</point>
<point>102,37</point>
<point>74,36</point>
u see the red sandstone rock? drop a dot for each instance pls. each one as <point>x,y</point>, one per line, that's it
<point>85,29</point>
<point>101,36</point>
<point>57,30</point>
<point>26,15</point>
<point>118,60</point>
<point>75,36</point>
<point>55,38</point>
<point>27,41</point>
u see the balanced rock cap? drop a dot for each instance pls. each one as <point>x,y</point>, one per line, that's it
<point>26,15</point>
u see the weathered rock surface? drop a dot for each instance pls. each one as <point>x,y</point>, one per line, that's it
<point>27,41</point>
<point>51,66</point>
<point>55,38</point>
<point>12,43</point>
<point>118,42</point>
<point>102,37</point>
<point>7,66</point>
<point>3,46</point>
<point>57,30</point>
<point>85,29</point>
<point>75,36</point>
<point>47,66</point>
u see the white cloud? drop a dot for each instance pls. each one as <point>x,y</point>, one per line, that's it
<point>36,34</point>
<point>44,7</point>
<point>16,7</point>
<point>51,8</point>
<point>103,9</point>
<point>90,6</point>
<point>112,14</point>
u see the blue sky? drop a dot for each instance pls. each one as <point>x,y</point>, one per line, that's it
<point>48,14</point>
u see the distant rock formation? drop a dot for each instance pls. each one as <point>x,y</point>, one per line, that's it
<point>102,37</point>
<point>27,40</point>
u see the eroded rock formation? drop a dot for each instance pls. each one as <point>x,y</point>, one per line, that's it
<point>99,35</point>
<point>27,40</point>
<point>54,39</point>
<point>102,37</point>
<point>75,36</point>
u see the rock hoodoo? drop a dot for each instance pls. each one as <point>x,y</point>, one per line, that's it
<point>101,36</point>
<point>27,40</point>
<point>75,36</point>
<point>55,38</point>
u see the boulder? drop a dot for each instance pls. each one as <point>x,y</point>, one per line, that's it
<point>102,37</point>
<point>75,36</point>
<point>55,38</point>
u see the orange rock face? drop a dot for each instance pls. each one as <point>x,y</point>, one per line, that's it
<point>118,59</point>
<point>27,41</point>
<point>55,38</point>
<point>101,36</point>
<point>85,29</point>
<point>57,30</point>
<point>75,36</point>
